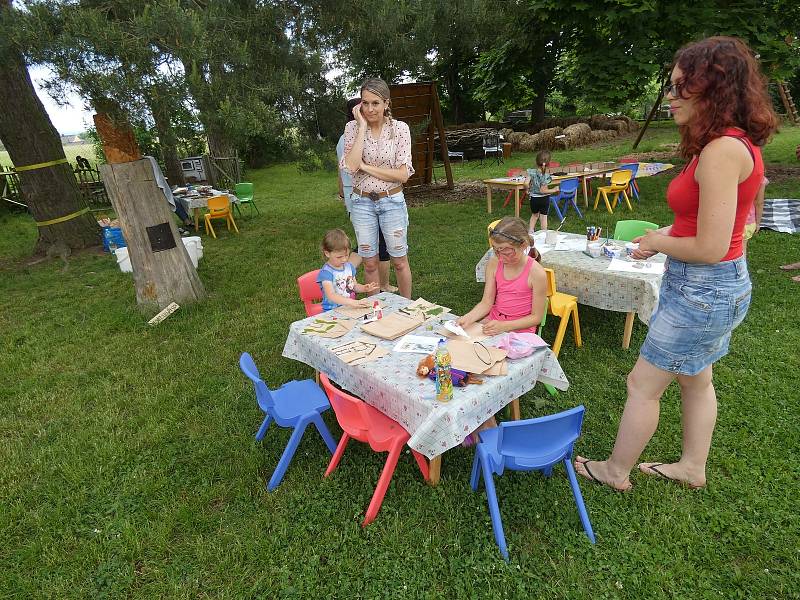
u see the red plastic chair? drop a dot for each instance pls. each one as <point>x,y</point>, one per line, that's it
<point>310,293</point>
<point>512,173</point>
<point>364,423</point>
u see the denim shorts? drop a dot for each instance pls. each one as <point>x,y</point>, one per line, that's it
<point>698,307</point>
<point>388,215</point>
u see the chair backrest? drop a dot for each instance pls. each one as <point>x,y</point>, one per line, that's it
<point>218,204</point>
<point>243,191</point>
<point>551,281</point>
<point>627,230</point>
<point>489,228</point>
<point>553,163</point>
<point>310,292</point>
<point>263,396</point>
<point>568,186</point>
<point>632,167</point>
<point>491,141</point>
<point>620,178</point>
<point>552,434</point>
<point>350,411</point>
<point>514,172</point>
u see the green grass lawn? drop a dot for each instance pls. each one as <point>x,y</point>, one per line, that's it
<point>85,150</point>
<point>129,467</point>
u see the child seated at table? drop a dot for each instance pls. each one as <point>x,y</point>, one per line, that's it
<point>539,191</point>
<point>515,290</point>
<point>337,277</point>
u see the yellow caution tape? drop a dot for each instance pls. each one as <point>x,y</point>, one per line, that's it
<point>42,165</point>
<point>83,211</point>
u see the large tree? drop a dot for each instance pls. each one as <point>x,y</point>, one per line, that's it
<point>30,138</point>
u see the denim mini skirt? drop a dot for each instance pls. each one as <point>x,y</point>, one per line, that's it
<point>698,307</point>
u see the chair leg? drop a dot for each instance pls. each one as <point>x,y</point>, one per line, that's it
<point>575,206</point>
<point>232,222</point>
<point>597,199</point>
<point>551,390</point>
<point>236,206</point>
<point>262,431</point>
<point>576,326</point>
<point>627,200</point>
<point>287,455</point>
<point>554,204</point>
<point>576,493</point>
<point>608,205</point>
<point>316,418</point>
<point>254,205</point>
<point>383,485</point>
<point>475,476</point>
<point>422,463</point>
<point>494,510</point>
<point>562,330</point>
<point>508,199</point>
<point>211,227</point>
<point>337,455</point>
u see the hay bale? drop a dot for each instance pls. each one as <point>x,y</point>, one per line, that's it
<point>529,143</point>
<point>600,122</point>
<point>506,133</point>
<point>577,135</point>
<point>548,141</point>
<point>515,137</point>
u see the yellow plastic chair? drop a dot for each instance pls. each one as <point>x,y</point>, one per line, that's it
<point>562,305</point>
<point>620,180</point>
<point>219,207</point>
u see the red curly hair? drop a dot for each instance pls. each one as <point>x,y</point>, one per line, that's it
<point>723,77</point>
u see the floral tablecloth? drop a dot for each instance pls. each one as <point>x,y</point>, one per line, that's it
<point>391,385</point>
<point>594,285</point>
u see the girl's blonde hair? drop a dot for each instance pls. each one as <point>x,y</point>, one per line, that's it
<point>335,239</point>
<point>379,87</point>
<point>512,230</point>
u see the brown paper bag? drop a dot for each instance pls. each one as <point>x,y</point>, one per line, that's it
<point>392,326</point>
<point>359,351</point>
<point>328,328</point>
<point>473,357</point>
<point>474,331</point>
<point>349,312</point>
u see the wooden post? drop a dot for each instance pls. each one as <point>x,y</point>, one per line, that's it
<point>161,275</point>
<point>436,113</point>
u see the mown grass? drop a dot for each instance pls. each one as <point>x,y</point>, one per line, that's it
<point>129,466</point>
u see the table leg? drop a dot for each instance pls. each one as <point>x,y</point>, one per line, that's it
<point>516,202</point>
<point>489,199</point>
<point>515,412</point>
<point>434,470</point>
<point>196,219</point>
<point>626,337</point>
<point>585,193</point>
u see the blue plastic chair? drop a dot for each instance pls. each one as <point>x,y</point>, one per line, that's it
<point>530,445</point>
<point>568,192</point>
<point>295,404</point>
<point>633,186</point>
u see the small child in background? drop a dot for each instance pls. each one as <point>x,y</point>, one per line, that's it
<point>337,277</point>
<point>539,191</point>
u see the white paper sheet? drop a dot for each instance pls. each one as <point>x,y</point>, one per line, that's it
<point>421,344</point>
<point>636,266</point>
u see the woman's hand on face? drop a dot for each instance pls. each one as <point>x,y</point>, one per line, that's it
<point>646,243</point>
<point>360,119</point>
<point>492,327</point>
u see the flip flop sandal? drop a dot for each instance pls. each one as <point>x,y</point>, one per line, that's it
<point>594,479</point>
<point>659,473</point>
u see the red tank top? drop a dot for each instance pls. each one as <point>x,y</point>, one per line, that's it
<point>683,197</point>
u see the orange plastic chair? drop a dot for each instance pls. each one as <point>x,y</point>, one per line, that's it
<point>620,180</point>
<point>219,207</point>
<point>310,292</point>
<point>364,423</point>
<point>563,306</point>
<point>512,173</point>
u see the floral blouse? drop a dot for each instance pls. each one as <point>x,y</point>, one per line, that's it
<point>387,152</point>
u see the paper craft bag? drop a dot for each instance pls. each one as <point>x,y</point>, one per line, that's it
<point>474,331</point>
<point>350,312</point>
<point>359,351</point>
<point>472,357</point>
<point>392,326</point>
<point>327,328</point>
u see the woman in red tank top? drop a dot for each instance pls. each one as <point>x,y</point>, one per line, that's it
<point>719,101</point>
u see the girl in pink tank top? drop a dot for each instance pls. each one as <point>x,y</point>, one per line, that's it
<point>516,285</point>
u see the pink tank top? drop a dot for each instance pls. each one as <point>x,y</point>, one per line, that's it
<point>514,297</point>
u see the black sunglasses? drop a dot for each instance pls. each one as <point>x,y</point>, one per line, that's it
<point>513,238</point>
<point>673,89</point>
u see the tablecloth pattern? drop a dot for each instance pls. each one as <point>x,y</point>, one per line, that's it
<point>594,285</point>
<point>391,385</point>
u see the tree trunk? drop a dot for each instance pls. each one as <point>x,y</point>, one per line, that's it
<point>538,105</point>
<point>169,144</point>
<point>162,270</point>
<point>454,91</point>
<point>51,192</point>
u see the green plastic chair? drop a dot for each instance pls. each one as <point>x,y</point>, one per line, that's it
<point>244,192</point>
<point>627,230</point>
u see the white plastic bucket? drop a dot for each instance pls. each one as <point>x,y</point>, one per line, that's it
<point>193,246</point>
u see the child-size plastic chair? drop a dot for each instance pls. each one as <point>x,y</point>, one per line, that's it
<point>563,306</point>
<point>245,193</point>
<point>619,185</point>
<point>365,423</point>
<point>633,187</point>
<point>295,404</point>
<point>568,192</point>
<point>512,173</point>
<point>219,207</point>
<point>310,292</point>
<point>529,445</point>
<point>627,230</point>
